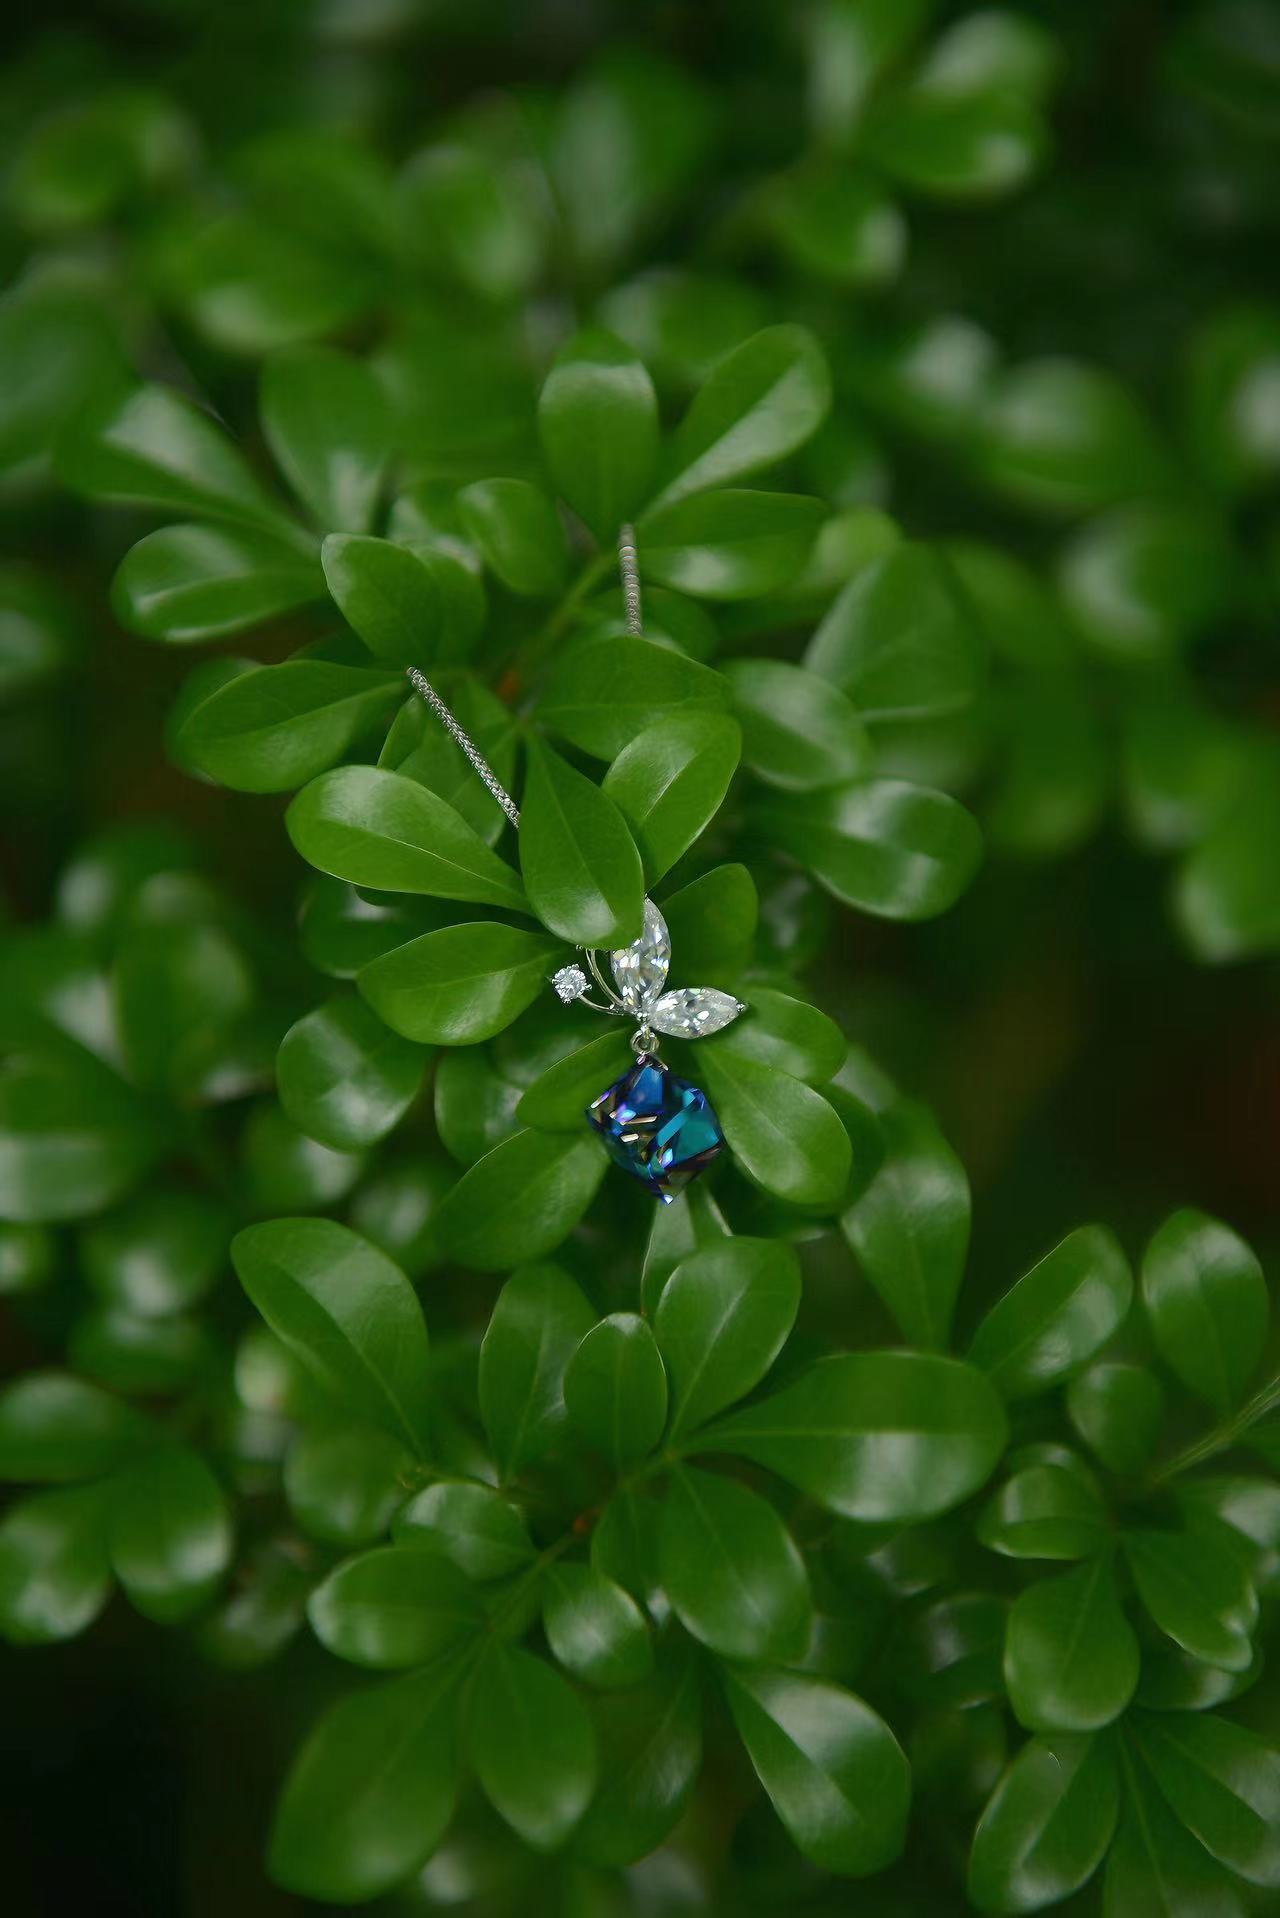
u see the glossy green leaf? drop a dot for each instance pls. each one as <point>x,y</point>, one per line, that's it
<point>834,1771</point>
<point>186,584</point>
<point>1044,1511</point>
<point>1223,1783</point>
<point>784,1032</point>
<point>347,1312</point>
<point>343,1482</point>
<point>579,862</point>
<point>595,1629</point>
<point>170,1533</point>
<point>481,1533</point>
<point>372,1790</point>
<point>475,1106</point>
<point>874,1435</point>
<point>532,1745</point>
<point>1154,1862</point>
<point>1047,1825</point>
<point>909,1228</point>
<point>1057,1316</point>
<point>329,426</point>
<point>538,1320</point>
<point>558,1097</point>
<point>398,1606</point>
<point>650,1745</point>
<point>1117,1409</point>
<point>785,1136</point>
<point>521,1200</point>
<point>1070,1656</point>
<point>712,922</point>
<point>515,528</point>
<point>379,829</point>
<point>670,782</point>
<point>598,421</point>
<point>274,727</point>
<point>798,731</point>
<point>55,1576</point>
<point>412,606</point>
<point>615,1389</point>
<point>883,845</point>
<point>760,403</point>
<point>602,692</point>
<point>691,1222</point>
<point>1207,1302</point>
<point>343,1077</point>
<point>419,747</point>
<point>461,984</point>
<point>730,545</point>
<point>1197,1592</point>
<point>722,1318</point>
<point>55,1427</point>
<point>731,1569</point>
<point>900,640</point>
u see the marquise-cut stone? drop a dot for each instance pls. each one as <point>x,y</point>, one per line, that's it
<point>640,969</point>
<point>691,1012</point>
<point>659,1128</point>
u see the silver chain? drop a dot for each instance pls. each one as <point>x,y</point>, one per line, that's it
<point>630,566</point>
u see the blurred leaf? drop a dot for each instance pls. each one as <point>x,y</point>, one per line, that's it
<point>580,865</point>
<point>598,421</point>
<point>1225,899</point>
<point>532,1745</point>
<point>343,1077</point>
<point>798,731</point>
<point>328,424</point>
<point>515,528</point>
<point>1235,363</point>
<point>731,1569</point>
<point>899,640</point>
<point>58,349</point>
<point>835,223</point>
<point>538,1321</point>
<point>759,403</point>
<point>730,544</point>
<point>680,322</point>
<point>1064,437</point>
<point>1047,1825</point>
<point>394,1607</point>
<point>160,1253</point>
<point>55,1576</point>
<point>721,1320</point>
<point>957,145</point>
<point>467,218</point>
<point>890,848</point>
<point>670,782</point>
<point>170,1533</point>
<point>650,1745</point>
<point>1058,1314</point>
<point>54,1427</point>
<point>461,984</point>
<point>594,1628</point>
<point>411,605</point>
<point>343,1482</point>
<point>475,1107</point>
<point>73,1137</point>
<point>909,1228</point>
<point>615,1389</point>
<point>1207,1303</point>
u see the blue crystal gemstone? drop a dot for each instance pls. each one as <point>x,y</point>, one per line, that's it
<point>659,1128</point>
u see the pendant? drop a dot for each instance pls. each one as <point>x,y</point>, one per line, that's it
<point>656,1126</point>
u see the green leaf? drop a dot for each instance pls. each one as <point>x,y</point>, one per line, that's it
<point>723,1317</point>
<point>179,989</point>
<point>948,1654</point>
<point>594,1628</point>
<point>1118,1410</point>
<point>461,984</point>
<point>1207,1303</point>
<point>347,1312</point>
<point>73,1137</point>
<point>836,223</point>
<point>274,727</point>
<point>160,1253</point>
<point>57,348</point>
<point>798,731</point>
<point>140,1355</point>
<point>712,922</point>
<point>603,691</point>
<point>909,1228</point>
<point>650,1745</point>
<point>372,1790</point>
<point>1155,1863</point>
<point>186,584</point>
<point>538,1320</point>
<point>470,216</point>
<point>874,1435</point>
<point>1070,1656</point>
<point>482,1534</point>
<point>615,1389</point>
<point>691,1222</point>
<point>327,421</point>
<point>784,1135</point>
<point>1141,581</point>
<point>412,606</point>
<point>521,1200</point>
<point>1224,899</point>
<point>516,530</point>
<point>885,846</point>
<point>670,782</point>
<point>785,1033</point>
<point>343,1077</point>
<point>760,403</point>
<point>1047,1825</point>
<point>1044,1511</point>
<point>733,544</point>
<point>170,1534</point>
<point>1223,1784</point>
<point>287,1172</point>
<point>55,1576</point>
<point>1057,1316</point>
<point>834,1771</point>
<point>957,146</point>
<point>394,1607</point>
<point>682,322</point>
<point>580,865</point>
<point>532,1745</point>
<point>1062,436</point>
<point>54,1427</point>
<point>731,1569</point>
<point>558,1097</point>
<point>379,829</point>
<point>900,640</point>
<point>1197,1592</point>
<point>153,447</point>
<point>419,747</point>
<point>598,421</point>
<point>343,1482</point>
<point>475,1107</point>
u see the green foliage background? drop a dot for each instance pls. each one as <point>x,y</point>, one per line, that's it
<point>400,1508</point>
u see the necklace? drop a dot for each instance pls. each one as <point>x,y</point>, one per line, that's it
<point>658,1127</point>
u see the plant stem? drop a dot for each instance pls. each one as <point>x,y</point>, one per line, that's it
<point>1223,1436</point>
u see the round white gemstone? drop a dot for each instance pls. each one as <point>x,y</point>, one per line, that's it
<point>570,982</point>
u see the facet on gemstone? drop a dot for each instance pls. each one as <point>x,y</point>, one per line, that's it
<point>657,1127</point>
<point>691,1012</point>
<point>640,969</point>
<point>570,983</point>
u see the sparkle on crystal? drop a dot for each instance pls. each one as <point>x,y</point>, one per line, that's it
<point>640,969</point>
<point>691,1012</point>
<point>570,982</point>
<point>659,1128</point>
